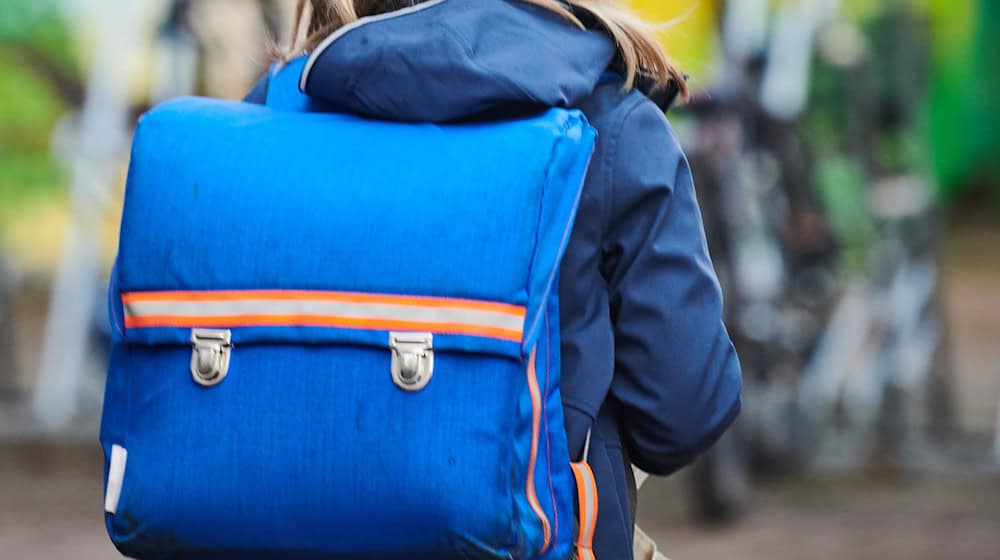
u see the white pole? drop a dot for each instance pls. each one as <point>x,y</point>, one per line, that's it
<point>785,85</point>
<point>103,130</point>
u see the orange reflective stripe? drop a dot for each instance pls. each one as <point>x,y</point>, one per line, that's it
<point>284,308</point>
<point>586,495</point>
<point>317,321</point>
<point>536,422</point>
<point>389,299</point>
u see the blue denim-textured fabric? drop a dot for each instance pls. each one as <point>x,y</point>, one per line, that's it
<point>243,221</point>
<point>307,449</point>
<point>310,450</point>
<point>647,362</point>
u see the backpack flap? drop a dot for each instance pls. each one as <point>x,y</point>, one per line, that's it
<point>258,205</point>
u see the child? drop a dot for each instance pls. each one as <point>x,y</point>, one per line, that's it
<point>650,374</point>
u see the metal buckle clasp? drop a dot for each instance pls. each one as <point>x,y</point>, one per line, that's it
<point>210,356</point>
<point>412,360</point>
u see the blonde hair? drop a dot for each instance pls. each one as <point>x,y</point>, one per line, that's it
<point>641,54</point>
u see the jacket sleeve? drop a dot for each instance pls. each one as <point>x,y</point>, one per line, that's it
<point>677,376</point>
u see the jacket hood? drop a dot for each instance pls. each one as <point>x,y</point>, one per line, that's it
<point>445,60</point>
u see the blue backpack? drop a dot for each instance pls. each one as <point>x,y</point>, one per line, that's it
<point>339,338</point>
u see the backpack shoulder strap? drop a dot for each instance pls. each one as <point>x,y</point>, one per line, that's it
<point>282,89</point>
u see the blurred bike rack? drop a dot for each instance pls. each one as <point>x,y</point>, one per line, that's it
<point>840,360</point>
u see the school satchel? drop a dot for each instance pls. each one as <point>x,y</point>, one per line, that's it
<point>339,338</point>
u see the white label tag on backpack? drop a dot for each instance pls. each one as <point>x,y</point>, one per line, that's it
<point>116,476</point>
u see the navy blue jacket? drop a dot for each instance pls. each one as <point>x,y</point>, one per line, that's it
<point>647,361</point>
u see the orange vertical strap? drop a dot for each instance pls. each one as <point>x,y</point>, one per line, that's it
<point>536,427</point>
<point>586,496</point>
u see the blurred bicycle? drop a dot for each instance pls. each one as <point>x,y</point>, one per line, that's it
<point>830,277</point>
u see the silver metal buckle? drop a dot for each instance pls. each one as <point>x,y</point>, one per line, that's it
<point>210,356</point>
<point>412,360</point>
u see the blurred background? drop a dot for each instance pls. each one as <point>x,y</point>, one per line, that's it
<point>847,155</point>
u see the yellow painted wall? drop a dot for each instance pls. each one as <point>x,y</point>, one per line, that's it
<point>691,34</point>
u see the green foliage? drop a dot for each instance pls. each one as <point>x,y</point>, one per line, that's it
<point>965,100</point>
<point>24,177</point>
<point>38,23</point>
<point>30,106</point>
<point>29,111</point>
<point>843,190</point>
